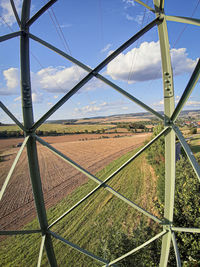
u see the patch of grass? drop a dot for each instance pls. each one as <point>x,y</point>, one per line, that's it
<point>89,225</point>
<point>195,144</point>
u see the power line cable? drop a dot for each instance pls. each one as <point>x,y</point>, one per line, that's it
<point>67,48</point>
<point>185,27</point>
<point>137,44</point>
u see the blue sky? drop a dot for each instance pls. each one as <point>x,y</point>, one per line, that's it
<point>92,30</point>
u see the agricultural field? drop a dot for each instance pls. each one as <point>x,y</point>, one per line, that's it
<point>104,215</point>
<point>61,128</point>
<point>114,120</point>
<point>58,178</point>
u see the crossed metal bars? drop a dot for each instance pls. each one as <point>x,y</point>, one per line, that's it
<point>170,130</point>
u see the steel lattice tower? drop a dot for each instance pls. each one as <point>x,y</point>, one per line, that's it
<point>170,131</point>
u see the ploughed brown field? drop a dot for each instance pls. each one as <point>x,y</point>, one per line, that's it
<point>58,177</point>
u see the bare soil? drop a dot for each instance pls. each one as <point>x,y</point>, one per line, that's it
<point>58,178</point>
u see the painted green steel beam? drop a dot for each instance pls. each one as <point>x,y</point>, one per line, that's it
<point>138,248</point>
<point>40,12</point>
<point>184,20</point>
<point>97,180</point>
<point>187,92</point>
<point>145,5</point>
<point>110,177</point>
<point>79,249</point>
<point>13,167</point>
<point>15,12</point>
<point>95,71</point>
<point>188,151</point>
<point>9,36</point>
<point>41,251</point>
<point>168,88</point>
<point>176,250</point>
<point>12,116</point>
<point>20,232</point>
<point>27,111</point>
<point>162,4</point>
<point>186,230</point>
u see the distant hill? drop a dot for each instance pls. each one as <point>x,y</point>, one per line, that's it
<point>140,115</point>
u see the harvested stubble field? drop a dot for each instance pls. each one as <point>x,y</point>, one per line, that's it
<point>58,178</point>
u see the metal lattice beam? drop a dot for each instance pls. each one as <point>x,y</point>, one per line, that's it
<point>168,89</point>
<point>28,122</point>
<point>170,116</point>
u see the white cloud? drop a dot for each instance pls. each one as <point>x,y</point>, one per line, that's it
<point>65,25</point>
<point>180,61</point>
<point>7,12</point>
<point>139,18</point>
<point>62,79</point>
<point>190,103</point>
<point>128,3</point>
<point>146,64</point>
<point>37,97</point>
<point>101,108</point>
<point>58,79</point>
<point>129,17</point>
<point>11,77</point>
<point>106,48</point>
<point>193,103</point>
<point>161,102</point>
<point>17,98</point>
<point>51,79</point>
<point>158,104</point>
<point>103,104</point>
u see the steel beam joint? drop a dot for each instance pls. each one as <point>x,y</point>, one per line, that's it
<point>167,121</point>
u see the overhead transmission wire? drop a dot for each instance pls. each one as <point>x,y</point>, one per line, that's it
<point>136,47</point>
<point>36,59</point>
<point>67,48</point>
<point>102,38</point>
<point>11,29</point>
<point>101,22</point>
<point>185,27</point>
<point>4,21</point>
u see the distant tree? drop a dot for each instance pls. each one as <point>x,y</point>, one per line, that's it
<point>193,130</point>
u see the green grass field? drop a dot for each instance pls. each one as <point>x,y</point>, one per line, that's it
<point>90,225</point>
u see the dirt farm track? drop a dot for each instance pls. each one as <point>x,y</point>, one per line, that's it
<point>58,178</point>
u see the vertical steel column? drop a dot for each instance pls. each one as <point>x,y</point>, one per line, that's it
<point>170,136</point>
<point>28,122</point>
